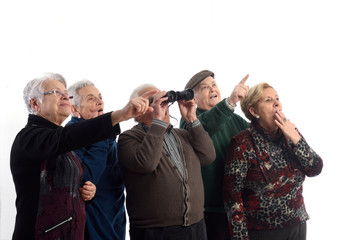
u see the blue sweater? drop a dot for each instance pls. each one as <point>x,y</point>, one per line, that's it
<point>105,213</point>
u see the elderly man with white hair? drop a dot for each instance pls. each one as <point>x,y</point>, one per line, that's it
<point>161,169</point>
<point>46,173</point>
<point>105,213</point>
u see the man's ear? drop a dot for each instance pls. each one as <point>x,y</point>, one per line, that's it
<point>75,111</point>
<point>35,104</point>
<point>195,98</point>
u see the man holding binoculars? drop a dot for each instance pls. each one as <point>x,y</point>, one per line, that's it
<point>161,169</point>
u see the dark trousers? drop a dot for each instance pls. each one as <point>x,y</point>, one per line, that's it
<point>217,227</point>
<point>297,232</point>
<point>197,231</point>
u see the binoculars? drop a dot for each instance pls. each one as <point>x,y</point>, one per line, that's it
<point>173,96</point>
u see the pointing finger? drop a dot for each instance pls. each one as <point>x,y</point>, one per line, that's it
<point>244,79</point>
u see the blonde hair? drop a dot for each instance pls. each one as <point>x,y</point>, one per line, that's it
<point>252,98</point>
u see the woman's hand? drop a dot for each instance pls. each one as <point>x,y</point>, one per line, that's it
<point>87,192</point>
<point>287,127</point>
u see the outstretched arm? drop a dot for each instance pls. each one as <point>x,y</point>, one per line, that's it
<point>134,108</point>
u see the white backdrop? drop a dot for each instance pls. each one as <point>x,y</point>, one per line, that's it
<point>308,50</point>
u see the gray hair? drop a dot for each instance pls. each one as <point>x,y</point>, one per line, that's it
<point>137,91</point>
<point>140,88</point>
<point>35,89</point>
<point>74,88</point>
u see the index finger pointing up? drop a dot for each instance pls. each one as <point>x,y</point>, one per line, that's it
<point>244,79</point>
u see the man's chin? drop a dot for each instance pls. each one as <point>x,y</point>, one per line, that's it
<point>214,101</point>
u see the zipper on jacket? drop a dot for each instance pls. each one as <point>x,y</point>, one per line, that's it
<point>58,225</point>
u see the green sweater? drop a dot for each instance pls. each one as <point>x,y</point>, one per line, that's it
<point>222,124</point>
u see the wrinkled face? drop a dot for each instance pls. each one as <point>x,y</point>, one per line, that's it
<point>207,94</point>
<point>54,107</point>
<point>91,104</point>
<point>266,108</point>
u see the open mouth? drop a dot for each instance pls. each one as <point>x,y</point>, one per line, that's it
<point>213,96</point>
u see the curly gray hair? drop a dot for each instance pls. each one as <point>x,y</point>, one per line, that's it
<point>74,88</point>
<point>35,89</point>
<point>73,91</point>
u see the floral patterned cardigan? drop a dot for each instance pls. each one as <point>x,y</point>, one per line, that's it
<point>263,181</point>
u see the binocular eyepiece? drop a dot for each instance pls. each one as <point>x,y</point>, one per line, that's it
<point>173,96</point>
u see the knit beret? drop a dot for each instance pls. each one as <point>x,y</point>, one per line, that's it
<point>197,78</point>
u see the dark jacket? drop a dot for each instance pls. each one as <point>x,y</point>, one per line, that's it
<point>47,176</point>
<point>158,195</point>
<point>105,213</point>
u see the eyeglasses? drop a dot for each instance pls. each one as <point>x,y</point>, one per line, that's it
<point>58,93</point>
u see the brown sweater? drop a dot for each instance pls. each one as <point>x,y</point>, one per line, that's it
<point>157,194</point>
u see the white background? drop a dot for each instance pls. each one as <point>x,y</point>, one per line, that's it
<point>308,50</point>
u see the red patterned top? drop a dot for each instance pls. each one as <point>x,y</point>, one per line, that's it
<point>263,181</point>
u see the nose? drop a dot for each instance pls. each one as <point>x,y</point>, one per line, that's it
<point>66,96</point>
<point>277,103</point>
<point>99,101</point>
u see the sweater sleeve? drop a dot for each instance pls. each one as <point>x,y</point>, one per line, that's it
<point>214,119</point>
<point>310,162</point>
<point>87,132</point>
<point>44,142</point>
<point>202,144</point>
<point>236,168</point>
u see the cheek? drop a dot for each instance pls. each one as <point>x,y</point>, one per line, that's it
<point>218,91</point>
<point>48,108</point>
<point>266,111</point>
<point>94,110</point>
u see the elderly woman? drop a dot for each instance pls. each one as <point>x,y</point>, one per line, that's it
<point>105,213</point>
<point>265,170</point>
<point>46,173</point>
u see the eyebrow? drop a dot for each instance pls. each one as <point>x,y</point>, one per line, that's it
<point>92,95</point>
<point>271,97</point>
